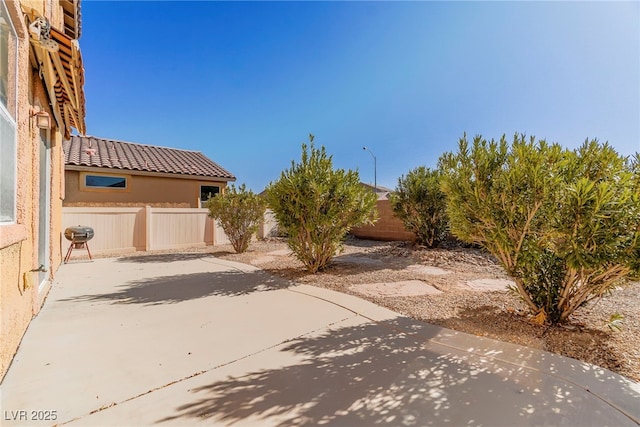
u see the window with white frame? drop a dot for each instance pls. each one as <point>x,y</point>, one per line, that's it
<point>8,134</point>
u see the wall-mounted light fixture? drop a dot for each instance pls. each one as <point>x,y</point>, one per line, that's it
<point>42,119</point>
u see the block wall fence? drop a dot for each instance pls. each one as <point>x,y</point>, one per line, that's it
<point>130,229</point>
<point>126,229</point>
<point>388,227</point>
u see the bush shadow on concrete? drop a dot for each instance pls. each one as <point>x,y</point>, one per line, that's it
<point>162,258</point>
<point>490,321</point>
<point>184,287</point>
<point>373,375</point>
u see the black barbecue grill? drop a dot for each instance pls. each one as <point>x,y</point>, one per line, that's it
<point>79,237</point>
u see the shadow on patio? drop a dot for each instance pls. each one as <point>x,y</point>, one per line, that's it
<point>184,287</point>
<point>372,375</point>
<point>163,258</point>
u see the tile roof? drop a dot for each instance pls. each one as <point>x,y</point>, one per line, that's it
<point>107,153</point>
<point>379,188</point>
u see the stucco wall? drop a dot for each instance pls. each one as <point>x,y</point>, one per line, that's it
<point>20,297</point>
<point>142,191</point>
<point>17,240</point>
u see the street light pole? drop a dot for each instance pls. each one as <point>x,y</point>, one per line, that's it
<point>375,167</point>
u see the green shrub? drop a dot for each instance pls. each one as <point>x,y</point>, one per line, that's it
<point>421,205</point>
<point>316,206</point>
<point>239,212</point>
<point>564,224</point>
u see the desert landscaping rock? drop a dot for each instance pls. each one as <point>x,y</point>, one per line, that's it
<point>489,284</point>
<point>426,269</point>
<point>264,259</point>
<point>405,288</point>
<point>355,259</point>
<point>280,252</point>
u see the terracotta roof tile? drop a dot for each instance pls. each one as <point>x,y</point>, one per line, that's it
<point>107,153</point>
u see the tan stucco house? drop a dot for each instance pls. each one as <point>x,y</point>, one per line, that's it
<point>106,172</point>
<point>41,100</point>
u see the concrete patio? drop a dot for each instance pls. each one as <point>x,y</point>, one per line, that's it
<point>186,339</point>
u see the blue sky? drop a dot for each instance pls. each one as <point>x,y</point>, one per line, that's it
<point>246,82</point>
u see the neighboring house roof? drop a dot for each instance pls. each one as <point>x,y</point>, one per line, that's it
<point>90,151</point>
<point>378,188</point>
<point>382,192</point>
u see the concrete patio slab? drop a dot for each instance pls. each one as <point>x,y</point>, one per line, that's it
<point>357,373</point>
<point>403,288</point>
<point>488,285</point>
<point>188,340</point>
<point>426,269</point>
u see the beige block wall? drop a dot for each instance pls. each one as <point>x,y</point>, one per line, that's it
<point>388,226</point>
<point>143,191</point>
<point>269,225</point>
<point>20,298</point>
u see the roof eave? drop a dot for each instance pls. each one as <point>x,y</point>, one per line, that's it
<point>100,169</point>
<point>59,62</point>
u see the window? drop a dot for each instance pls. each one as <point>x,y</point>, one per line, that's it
<point>8,56</point>
<point>8,134</point>
<point>208,191</point>
<point>105,181</point>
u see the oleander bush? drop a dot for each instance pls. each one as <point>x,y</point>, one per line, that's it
<point>565,224</point>
<point>239,212</point>
<point>420,204</point>
<point>316,205</point>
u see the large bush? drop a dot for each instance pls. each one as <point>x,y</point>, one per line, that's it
<point>316,206</point>
<point>564,224</point>
<point>421,205</point>
<point>239,212</point>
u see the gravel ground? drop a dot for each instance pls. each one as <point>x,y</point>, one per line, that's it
<point>494,314</point>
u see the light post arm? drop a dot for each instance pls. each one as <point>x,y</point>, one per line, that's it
<point>375,169</point>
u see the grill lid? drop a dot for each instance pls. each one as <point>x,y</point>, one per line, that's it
<point>79,233</point>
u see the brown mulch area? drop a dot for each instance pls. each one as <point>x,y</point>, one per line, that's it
<point>497,314</point>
